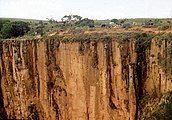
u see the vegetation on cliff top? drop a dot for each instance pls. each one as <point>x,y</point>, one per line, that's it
<point>13,29</point>
<point>28,27</point>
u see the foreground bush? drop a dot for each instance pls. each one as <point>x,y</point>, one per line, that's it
<point>14,29</point>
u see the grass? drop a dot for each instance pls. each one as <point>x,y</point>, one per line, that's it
<point>22,19</point>
<point>142,20</point>
<point>46,26</point>
<point>100,22</point>
<point>97,22</point>
<point>37,26</point>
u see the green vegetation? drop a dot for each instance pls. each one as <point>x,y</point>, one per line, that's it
<point>13,29</point>
<point>78,35</point>
<point>100,22</point>
<point>126,25</point>
<point>143,41</point>
<point>165,58</point>
<point>114,20</point>
<point>85,22</point>
<point>30,27</point>
<point>143,20</point>
<point>41,27</point>
<point>156,107</point>
<point>165,26</point>
<point>164,110</point>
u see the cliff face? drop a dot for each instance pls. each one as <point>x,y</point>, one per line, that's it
<point>50,79</point>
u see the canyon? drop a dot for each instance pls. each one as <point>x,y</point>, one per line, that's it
<point>118,76</point>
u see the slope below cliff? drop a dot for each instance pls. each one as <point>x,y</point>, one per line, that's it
<point>100,76</point>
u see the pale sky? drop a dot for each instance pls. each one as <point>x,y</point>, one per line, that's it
<point>94,9</point>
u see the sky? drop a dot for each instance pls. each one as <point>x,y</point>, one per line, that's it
<point>93,9</point>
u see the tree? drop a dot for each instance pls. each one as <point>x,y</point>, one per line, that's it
<point>3,22</point>
<point>6,30</point>
<point>148,23</point>
<point>40,22</point>
<point>66,18</point>
<point>71,18</point>
<point>40,29</point>
<point>14,29</point>
<point>19,28</point>
<point>85,22</point>
<point>126,25</point>
<point>51,20</point>
<point>121,21</point>
<point>76,17</point>
<point>114,20</point>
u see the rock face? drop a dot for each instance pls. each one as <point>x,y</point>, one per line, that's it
<point>84,80</point>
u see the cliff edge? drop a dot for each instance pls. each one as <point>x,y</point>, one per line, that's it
<point>121,76</point>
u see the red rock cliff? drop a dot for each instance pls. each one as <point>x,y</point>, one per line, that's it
<point>95,80</point>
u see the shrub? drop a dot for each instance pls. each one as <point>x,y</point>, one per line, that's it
<point>164,27</point>
<point>3,22</point>
<point>14,29</point>
<point>85,22</point>
<point>40,29</point>
<point>126,25</point>
<point>149,24</point>
<point>143,42</point>
<point>6,31</point>
<point>165,109</point>
<point>114,20</point>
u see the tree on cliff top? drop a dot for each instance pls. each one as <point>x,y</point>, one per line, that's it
<point>85,22</point>
<point>14,29</point>
<point>114,20</point>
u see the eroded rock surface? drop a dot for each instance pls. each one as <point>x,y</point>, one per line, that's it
<point>87,80</point>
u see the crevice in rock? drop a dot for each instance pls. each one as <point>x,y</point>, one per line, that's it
<point>34,113</point>
<point>111,104</point>
<point>108,49</point>
<point>82,48</point>
<point>95,57</point>
<point>55,74</point>
<point>56,108</point>
<point>142,44</point>
<point>3,114</point>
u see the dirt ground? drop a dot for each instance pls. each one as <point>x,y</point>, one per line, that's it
<point>112,30</point>
<point>133,29</point>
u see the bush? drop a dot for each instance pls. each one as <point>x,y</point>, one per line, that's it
<point>3,22</point>
<point>143,41</point>
<point>14,29</point>
<point>164,109</point>
<point>85,22</point>
<point>148,24</point>
<point>126,25</point>
<point>40,29</point>
<point>164,27</point>
<point>114,20</point>
<point>6,30</point>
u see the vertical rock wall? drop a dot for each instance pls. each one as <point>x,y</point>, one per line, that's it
<point>49,79</point>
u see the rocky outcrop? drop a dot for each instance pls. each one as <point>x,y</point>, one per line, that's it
<point>95,80</point>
